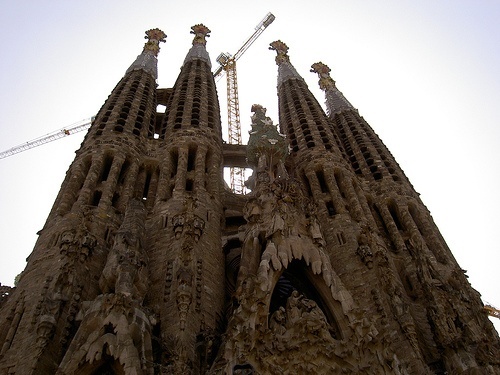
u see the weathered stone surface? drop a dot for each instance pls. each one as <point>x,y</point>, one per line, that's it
<point>149,264</point>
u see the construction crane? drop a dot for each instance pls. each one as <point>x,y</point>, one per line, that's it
<point>492,311</point>
<point>228,65</point>
<point>64,132</point>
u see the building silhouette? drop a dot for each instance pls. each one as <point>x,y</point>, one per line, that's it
<point>149,264</point>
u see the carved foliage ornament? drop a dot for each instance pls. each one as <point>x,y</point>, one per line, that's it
<point>154,36</point>
<point>325,81</point>
<point>282,51</point>
<point>201,32</point>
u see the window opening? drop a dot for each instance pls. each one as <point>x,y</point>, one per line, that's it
<point>191,158</point>
<point>394,214</point>
<point>322,182</point>
<point>108,160</point>
<point>146,186</point>
<point>174,155</point>
<point>331,208</point>
<point>96,198</point>
<point>189,184</point>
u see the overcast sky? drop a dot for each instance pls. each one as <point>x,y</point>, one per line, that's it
<point>424,74</point>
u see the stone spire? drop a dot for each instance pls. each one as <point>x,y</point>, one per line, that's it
<point>335,100</point>
<point>195,82</point>
<point>198,50</point>
<point>147,60</point>
<point>285,68</point>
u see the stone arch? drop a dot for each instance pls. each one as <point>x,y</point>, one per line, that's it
<point>279,254</point>
<point>243,369</point>
<point>300,277</point>
<point>105,366</point>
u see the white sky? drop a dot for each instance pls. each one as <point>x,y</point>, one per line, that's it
<point>424,74</point>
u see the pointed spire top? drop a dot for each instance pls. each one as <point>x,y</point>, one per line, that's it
<point>154,36</point>
<point>335,100</point>
<point>198,50</point>
<point>285,68</point>
<point>325,81</point>
<point>201,32</point>
<point>282,51</point>
<point>147,59</point>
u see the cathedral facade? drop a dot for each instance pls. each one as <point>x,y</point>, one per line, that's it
<point>149,264</point>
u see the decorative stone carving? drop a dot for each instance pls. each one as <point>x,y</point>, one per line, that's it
<point>325,81</point>
<point>125,271</point>
<point>111,325</point>
<point>115,324</point>
<point>184,295</point>
<point>299,337</point>
<point>266,147</point>
<point>281,50</point>
<point>189,224</point>
<point>14,317</point>
<point>201,32</point>
<point>289,235</point>
<point>154,36</point>
<point>77,245</point>
<point>178,223</point>
<point>198,226</point>
<point>364,252</point>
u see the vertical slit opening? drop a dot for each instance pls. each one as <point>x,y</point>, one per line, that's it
<point>191,158</point>
<point>331,208</point>
<point>96,198</point>
<point>108,160</point>
<point>146,186</point>
<point>322,182</point>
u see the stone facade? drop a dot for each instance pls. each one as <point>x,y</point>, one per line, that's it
<point>149,264</point>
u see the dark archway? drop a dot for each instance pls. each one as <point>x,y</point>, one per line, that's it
<point>298,276</point>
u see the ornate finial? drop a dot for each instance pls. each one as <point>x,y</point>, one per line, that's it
<point>335,100</point>
<point>201,33</point>
<point>325,81</point>
<point>154,36</point>
<point>282,49</point>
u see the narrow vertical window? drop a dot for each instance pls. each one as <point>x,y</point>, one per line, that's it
<point>393,211</point>
<point>96,198</point>
<point>322,182</point>
<point>331,208</point>
<point>147,182</point>
<point>108,161</point>
<point>174,157</point>
<point>191,158</point>
<point>307,185</point>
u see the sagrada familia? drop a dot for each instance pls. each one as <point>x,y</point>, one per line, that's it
<point>149,264</point>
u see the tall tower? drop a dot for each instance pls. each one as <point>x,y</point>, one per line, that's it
<point>149,264</point>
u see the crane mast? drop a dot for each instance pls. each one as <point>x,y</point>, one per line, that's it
<point>228,65</point>
<point>236,174</point>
